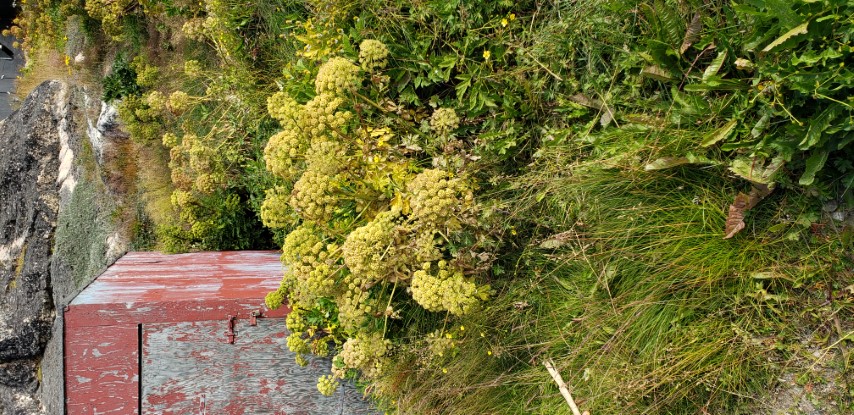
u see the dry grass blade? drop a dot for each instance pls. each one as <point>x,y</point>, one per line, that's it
<point>564,390</point>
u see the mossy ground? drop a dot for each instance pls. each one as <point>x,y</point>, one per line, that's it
<point>85,223</point>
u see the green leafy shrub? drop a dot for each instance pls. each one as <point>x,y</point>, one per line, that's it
<point>121,82</point>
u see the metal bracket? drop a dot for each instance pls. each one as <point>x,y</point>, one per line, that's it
<point>253,317</point>
<point>230,334</point>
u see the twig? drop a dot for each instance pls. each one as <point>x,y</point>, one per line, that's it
<point>564,390</point>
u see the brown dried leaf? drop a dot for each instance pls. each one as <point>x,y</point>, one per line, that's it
<point>692,34</point>
<point>735,219</point>
<point>759,192</point>
<point>584,100</point>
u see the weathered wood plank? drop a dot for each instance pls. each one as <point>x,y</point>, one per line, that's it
<point>190,368</point>
<point>140,277</point>
<point>88,315</point>
<point>101,371</point>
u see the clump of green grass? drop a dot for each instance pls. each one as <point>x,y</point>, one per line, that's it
<point>630,287</point>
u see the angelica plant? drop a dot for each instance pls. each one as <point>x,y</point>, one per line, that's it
<point>375,228</point>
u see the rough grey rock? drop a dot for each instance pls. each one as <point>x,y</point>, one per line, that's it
<point>29,168</point>
<point>58,233</point>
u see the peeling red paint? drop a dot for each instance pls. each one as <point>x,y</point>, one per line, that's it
<point>101,324</point>
<point>170,315</point>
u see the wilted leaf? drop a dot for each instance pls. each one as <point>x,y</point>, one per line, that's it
<point>801,29</point>
<point>607,117</point>
<point>557,240</point>
<point>743,203</point>
<point>755,171</point>
<point>657,73</point>
<point>720,134</point>
<point>735,219</point>
<point>692,34</point>
<point>587,102</point>
<point>668,162</point>
<point>744,64</point>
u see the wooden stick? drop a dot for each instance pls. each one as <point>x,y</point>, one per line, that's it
<point>564,390</point>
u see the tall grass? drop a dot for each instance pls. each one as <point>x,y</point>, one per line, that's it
<point>629,286</point>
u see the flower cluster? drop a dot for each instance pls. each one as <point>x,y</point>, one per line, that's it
<point>283,152</point>
<point>367,353</point>
<point>156,101</point>
<point>373,55</point>
<point>297,344</point>
<point>110,13</point>
<point>146,75</point>
<point>195,28</point>
<point>337,76</point>
<point>321,116</point>
<point>294,321</point>
<point>275,299</point>
<point>170,140</point>
<point>192,68</point>
<point>446,290</point>
<point>179,102</point>
<point>369,251</point>
<point>444,121</point>
<point>314,196</point>
<point>275,211</point>
<point>310,264</point>
<point>327,385</point>
<point>437,199</point>
<point>325,156</point>
<point>284,109</point>
<point>354,304</point>
<point>368,221</point>
<point>208,183</point>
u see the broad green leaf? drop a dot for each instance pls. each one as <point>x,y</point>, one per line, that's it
<point>761,125</point>
<point>814,164</point>
<point>801,29</point>
<point>716,83</point>
<point>463,86</point>
<point>783,11</point>
<point>737,145</point>
<point>817,127</point>
<point>720,134</point>
<point>845,140</point>
<point>715,66</point>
